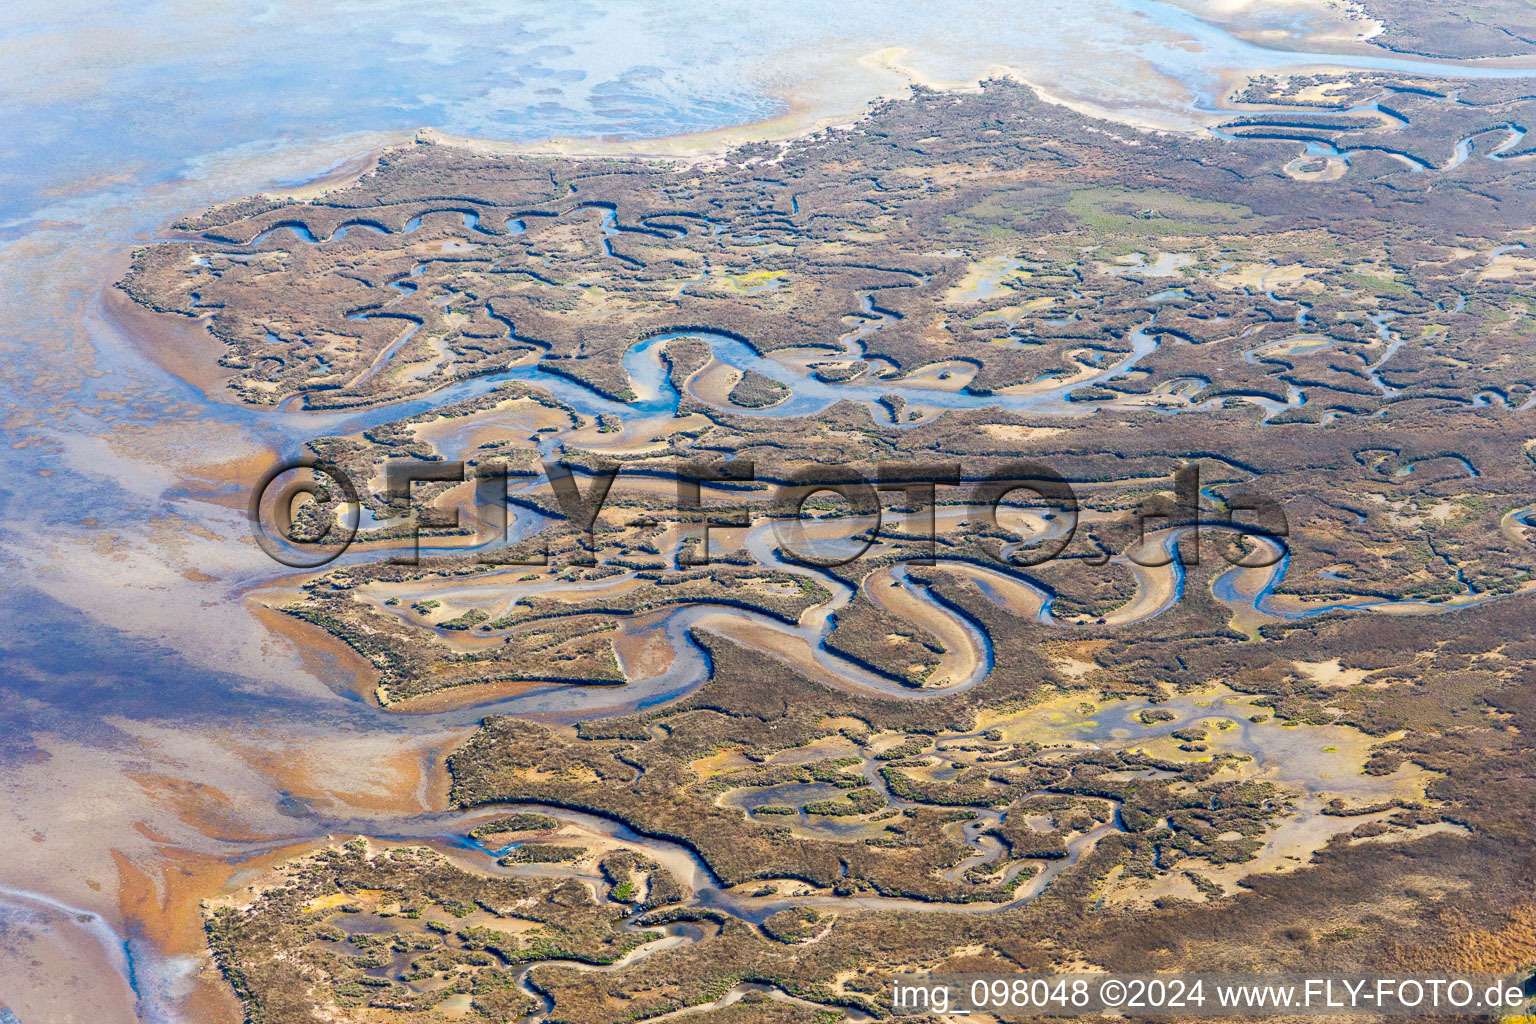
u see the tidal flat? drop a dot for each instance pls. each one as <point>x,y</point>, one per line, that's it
<point>782,780</point>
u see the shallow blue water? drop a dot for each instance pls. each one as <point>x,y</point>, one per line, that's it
<point>154,110</point>
<point>123,118</point>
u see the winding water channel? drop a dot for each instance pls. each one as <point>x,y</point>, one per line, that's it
<point>253,114</point>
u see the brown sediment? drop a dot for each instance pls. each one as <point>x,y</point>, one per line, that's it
<point>951,375</point>
<point>231,481</point>
<point>161,898</point>
<point>347,172</point>
<point>165,907</point>
<point>1017,599</point>
<point>1155,588</point>
<point>644,651</point>
<point>960,658</point>
<point>212,1000</point>
<point>455,697</point>
<point>165,911</point>
<point>323,656</point>
<point>497,423</point>
<point>206,808</point>
<point>169,909</point>
<point>178,344</point>
<point>637,436</point>
<point>1082,373</point>
<point>663,487</point>
<point>143,829</point>
<point>437,780</point>
<point>399,776</point>
<point>714,382</point>
<point>790,649</point>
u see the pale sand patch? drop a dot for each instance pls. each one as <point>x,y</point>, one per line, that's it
<point>643,652</point>
<point>636,438</point>
<point>1327,24</point>
<point>1403,835</point>
<point>346,173</point>
<point>1509,266</point>
<point>457,437</point>
<point>1317,168</point>
<point>782,888</point>
<point>788,648</point>
<point>832,98</point>
<point>632,488</point>
<point>952,375</point>
<point>1260,277</point>
<point>1324,92</point>
<point>1247,585</point>
<point>1084,371</point>
<point>985,278</point>
<point>1333,675</point>
<point>1074,668</point>
<point>960,658</point>
<point>834,95</point>
<point>1155,588</point>
<point>1012,595</point>
<point>1296,345</point>
<point>1181,392</point>
<point>1513,530</point>
<point>714,382</point>
<point>1163,264</point>
<point>1443,510</point>
<point>805,361</point>
<point>1014,432</point>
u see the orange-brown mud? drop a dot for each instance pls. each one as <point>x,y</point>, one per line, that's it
<point>470,694</point>
<point>320,654</point>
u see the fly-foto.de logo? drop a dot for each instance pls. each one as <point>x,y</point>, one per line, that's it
<point>307,512</point>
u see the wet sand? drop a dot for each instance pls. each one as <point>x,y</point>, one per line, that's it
<point>1290,24</point>
<point>218,778</point>
<point>960,658</point>
<point>36,941</point>
<point>182,345</point>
